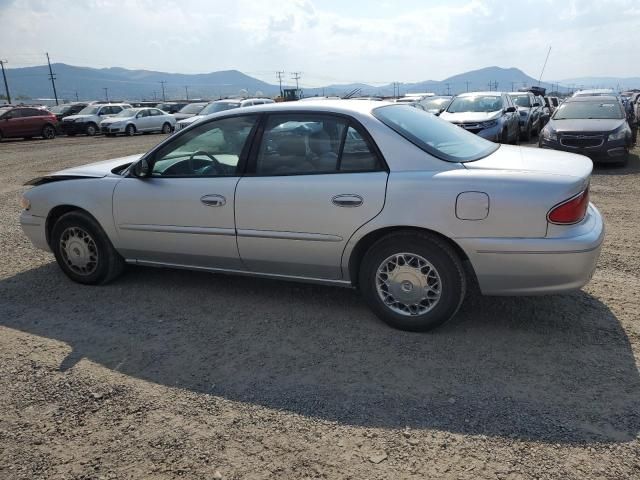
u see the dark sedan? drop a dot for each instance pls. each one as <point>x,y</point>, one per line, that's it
<point>593,126</point>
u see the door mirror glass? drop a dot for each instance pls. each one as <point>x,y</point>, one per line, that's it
<point>510,109</point>
<point>141,169</point>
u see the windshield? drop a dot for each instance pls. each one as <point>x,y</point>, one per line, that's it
<point>90,110</point>
<point>126,113</point>
<point>480,103</point>
<point>59,108</point>
<point>436,103</point>
<point>192,108</point>
<point>433,135</point>
<point>589,110</point>
<point>218,107</point>
<point>521,100</point>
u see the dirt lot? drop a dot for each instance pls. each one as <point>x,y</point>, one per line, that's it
<point>171,374</point>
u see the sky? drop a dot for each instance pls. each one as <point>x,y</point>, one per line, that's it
<point>328,41</point>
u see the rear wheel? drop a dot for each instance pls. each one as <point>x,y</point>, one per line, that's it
<point>1,136</point>
<point>91,129</point>
<point>413,281</point>
<point>83,251</point>
<point>130,130</point>
<point>48,132</point>
<point>166,128</point>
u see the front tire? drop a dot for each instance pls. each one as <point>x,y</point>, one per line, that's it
<point>413,281</point>
<point>166,128</point>
<point>130,131</point>
<point>91,129</point>
<point>83,251</point>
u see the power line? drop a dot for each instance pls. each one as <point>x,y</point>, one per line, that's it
<point>53,79</point>
<point>6,85</point>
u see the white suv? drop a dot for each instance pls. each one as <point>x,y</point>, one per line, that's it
<point>87,120</point>
<point>220,106</point>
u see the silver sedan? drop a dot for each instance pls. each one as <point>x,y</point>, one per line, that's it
<point>374,195</point>
<point>138,120</point>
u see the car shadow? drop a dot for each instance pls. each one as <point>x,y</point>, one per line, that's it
<point>552,369</point>
<point>630,168</point>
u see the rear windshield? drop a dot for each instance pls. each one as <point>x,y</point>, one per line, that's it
<point>589,110</point>
<point>59,108</point>
<point>521,100</point>
<point>434,135</point>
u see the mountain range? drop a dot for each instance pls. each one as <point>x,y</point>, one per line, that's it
<point>85,83</point>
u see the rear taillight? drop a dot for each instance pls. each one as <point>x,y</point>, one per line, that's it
<point>570,211</point>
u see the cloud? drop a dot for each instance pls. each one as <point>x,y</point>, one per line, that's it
<point>329,41</point>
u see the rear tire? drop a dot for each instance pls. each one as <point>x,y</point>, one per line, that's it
<point>413,281</point>
<point>83,251</point>
<point>166,128</point>
<point>130,131</point>
<point>91,129</point>
<point>48,132</point>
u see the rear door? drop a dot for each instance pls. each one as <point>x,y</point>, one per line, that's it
<point>12,125</point>
<point>313,180</point>
<point>33,121</point>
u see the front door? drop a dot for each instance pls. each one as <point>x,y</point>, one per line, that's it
<point>314,180</point>
<point>183,214</point>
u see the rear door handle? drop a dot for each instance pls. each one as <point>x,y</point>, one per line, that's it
<point>213,200</point>
<point>347,200</point>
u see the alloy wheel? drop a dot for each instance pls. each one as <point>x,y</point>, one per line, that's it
<point>79,251</point>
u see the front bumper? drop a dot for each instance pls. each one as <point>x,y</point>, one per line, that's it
<point>72,127</point>
<point>110,129</point>
<point>535,266</point>
<point>612,151</point>
<point>34,228</point>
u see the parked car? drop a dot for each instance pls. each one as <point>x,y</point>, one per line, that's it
<point>66,109</point>
<point>138,120</point>
<point>491,115</point>
<point>551,103</point>
<point>221,106</point>
<point>172,107</point>
<point>87,121</point>
<point>319,192</point>
<point>545,111</point>
<point>593,126</point>
<point>27,122</point>
<point>529,112</point>
<point>190,110</point>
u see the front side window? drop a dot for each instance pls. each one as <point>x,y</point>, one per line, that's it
<point>435,136</point>
<point>90,110</point>
<point>211,149</point>
<point>299,144</point>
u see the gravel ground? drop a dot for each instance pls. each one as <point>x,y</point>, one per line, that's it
<point>173,374</point>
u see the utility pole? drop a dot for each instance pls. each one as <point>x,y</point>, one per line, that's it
<point>296,77</point>
<point>53,79</point>
<point>162,82</point>
<point>448,89</point>
<point>467,84</point>
<point>6,85</point>
<point>279,74</point>
<point>513,86</point>
<point>544,66</point>
<point>77,99</point>
<point>186,91</point>
<point>154,95</point>
<point>106,93</point>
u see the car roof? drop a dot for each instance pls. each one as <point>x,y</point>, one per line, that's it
<point>346,107</point>
<point>593,98</point>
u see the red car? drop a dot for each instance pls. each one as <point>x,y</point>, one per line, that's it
<point>27,122</point>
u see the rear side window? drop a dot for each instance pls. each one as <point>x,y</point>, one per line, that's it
<point>306,144</point>
<point>435,136</point>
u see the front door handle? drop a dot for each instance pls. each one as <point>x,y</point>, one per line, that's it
<point>213,200</point>
<point>347,200</point>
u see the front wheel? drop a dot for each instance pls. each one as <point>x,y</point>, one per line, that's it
<point>91,129</point>
<point>130,130</point>
<point>413,281</point>
<point>166,128</point>
<point>83,251</point>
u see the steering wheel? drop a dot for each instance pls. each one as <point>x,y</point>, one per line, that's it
<point>192,165</point>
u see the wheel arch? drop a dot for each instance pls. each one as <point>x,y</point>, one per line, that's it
<point>363,245</point>
<point>58,211</point>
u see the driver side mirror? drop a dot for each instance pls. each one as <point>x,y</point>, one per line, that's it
<point>442,109</point>
<point>141,169</point>
<point>510,109</point>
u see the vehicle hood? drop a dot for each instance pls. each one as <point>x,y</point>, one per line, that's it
<point>586,125</point>
<point>91,170</point>
<point>116,120</point>
<point>182,116</point>
<point>535,160</point>
<point>192,119</point>
<point>71,118</point>
<point>468,117</point>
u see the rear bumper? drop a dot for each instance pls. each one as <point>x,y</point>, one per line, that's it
<point>520,266</point>
<point>34,229</point>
